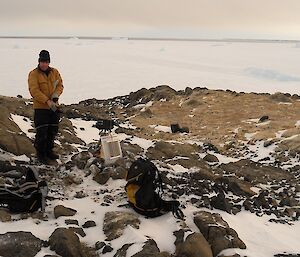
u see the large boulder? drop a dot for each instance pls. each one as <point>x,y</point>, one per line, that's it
<point>280,97</point>
<point>150,249</point>
<point>164,150</point>
<point>66,243</point>
<point>19,244</point>
<point>12,139</point>
<point>195,245</point>
<point>255,172</point>
<point>116,221</point>
<point>217,232</point>
<point>101,176</point>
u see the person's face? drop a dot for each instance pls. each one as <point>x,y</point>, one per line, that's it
<point>44,65</point>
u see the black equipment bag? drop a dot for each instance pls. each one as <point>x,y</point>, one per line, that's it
<point>144,190</point>
<point>106,125</point>
<point>29,196</point>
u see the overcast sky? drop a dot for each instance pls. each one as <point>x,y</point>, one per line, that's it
<point>273,19</point>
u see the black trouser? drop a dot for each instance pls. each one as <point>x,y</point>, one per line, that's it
<point>46,125</point>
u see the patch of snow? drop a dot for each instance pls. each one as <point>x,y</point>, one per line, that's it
<point>261,151</point>
<point>7,156</point>
<point>24,123</point>
<point>45,251</point>
<point>142,142</point>
<point>284,103</point>
<point>251,121</point>
<point>280,133</point>
<point>297,123</point>
<point>143,106</point>
<point>23,158</point>
<point>127,125</point>
<point>236,130</point>
<point>249,136</point>
<point>263,238</point>
<point>263,123</point>
<point>161,128</point>
<point>255,189</point>
<point>89,133</point>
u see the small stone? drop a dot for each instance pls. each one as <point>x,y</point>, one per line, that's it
<point>5,216</point>
<point>80,195</point>
<point>60,210</point>
<point>99,245</point>
<point>210,158</point>
<point>107,249</point>
<point>72,222</point>
<point>89,224</point>
<point>264,118</point>
<point>102,177</point>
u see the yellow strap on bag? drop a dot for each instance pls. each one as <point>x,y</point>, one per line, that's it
<point>131,191</point>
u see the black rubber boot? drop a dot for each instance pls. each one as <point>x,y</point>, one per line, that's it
<point>42,158</point>
<point>52,156</point>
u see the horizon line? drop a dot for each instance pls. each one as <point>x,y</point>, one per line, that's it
<point>155,38</point>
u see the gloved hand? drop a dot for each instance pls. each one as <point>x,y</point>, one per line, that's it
<point>52,105</point>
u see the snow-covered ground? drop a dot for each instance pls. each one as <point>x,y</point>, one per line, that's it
<point>263,238</point>
<point>108,68</point>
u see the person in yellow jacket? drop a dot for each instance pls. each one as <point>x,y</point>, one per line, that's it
<point>45,86</point>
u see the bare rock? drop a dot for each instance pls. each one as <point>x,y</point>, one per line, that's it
<point>61,210</point>
<point>89,224</point>
<point>66,243</point>
<point>12,139</point>
<point>81,159</point>
<point>116,222</point>
<point>211,158</point>
<point>122,252</point>
<point>102,177</point>
<point>150,249</point>
<point>5,216</point>
<point>280,97</point>
<point>19,244</point>
<point>119,173</point>
<point>220,202</point>
<point>195,245</point>
<point>217,232</point>
<point>71,222</point>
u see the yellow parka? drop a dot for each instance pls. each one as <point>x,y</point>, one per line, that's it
<point>43,87</point>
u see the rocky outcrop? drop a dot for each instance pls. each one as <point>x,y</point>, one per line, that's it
<point>195,245</point>
<point>12,139</point>
<point>217,232</point>
<point>150,249</point>
<point>19,244</point>
<point>66,243</point>
<point>115,223</point>
<point>255,172</point>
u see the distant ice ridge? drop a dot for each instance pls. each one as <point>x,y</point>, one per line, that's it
<point>270,74</point>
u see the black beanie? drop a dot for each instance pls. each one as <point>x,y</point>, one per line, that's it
<point>44,56</point>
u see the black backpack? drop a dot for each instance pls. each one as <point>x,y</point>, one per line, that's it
<point>144,190</point>
<point>29,196</point>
